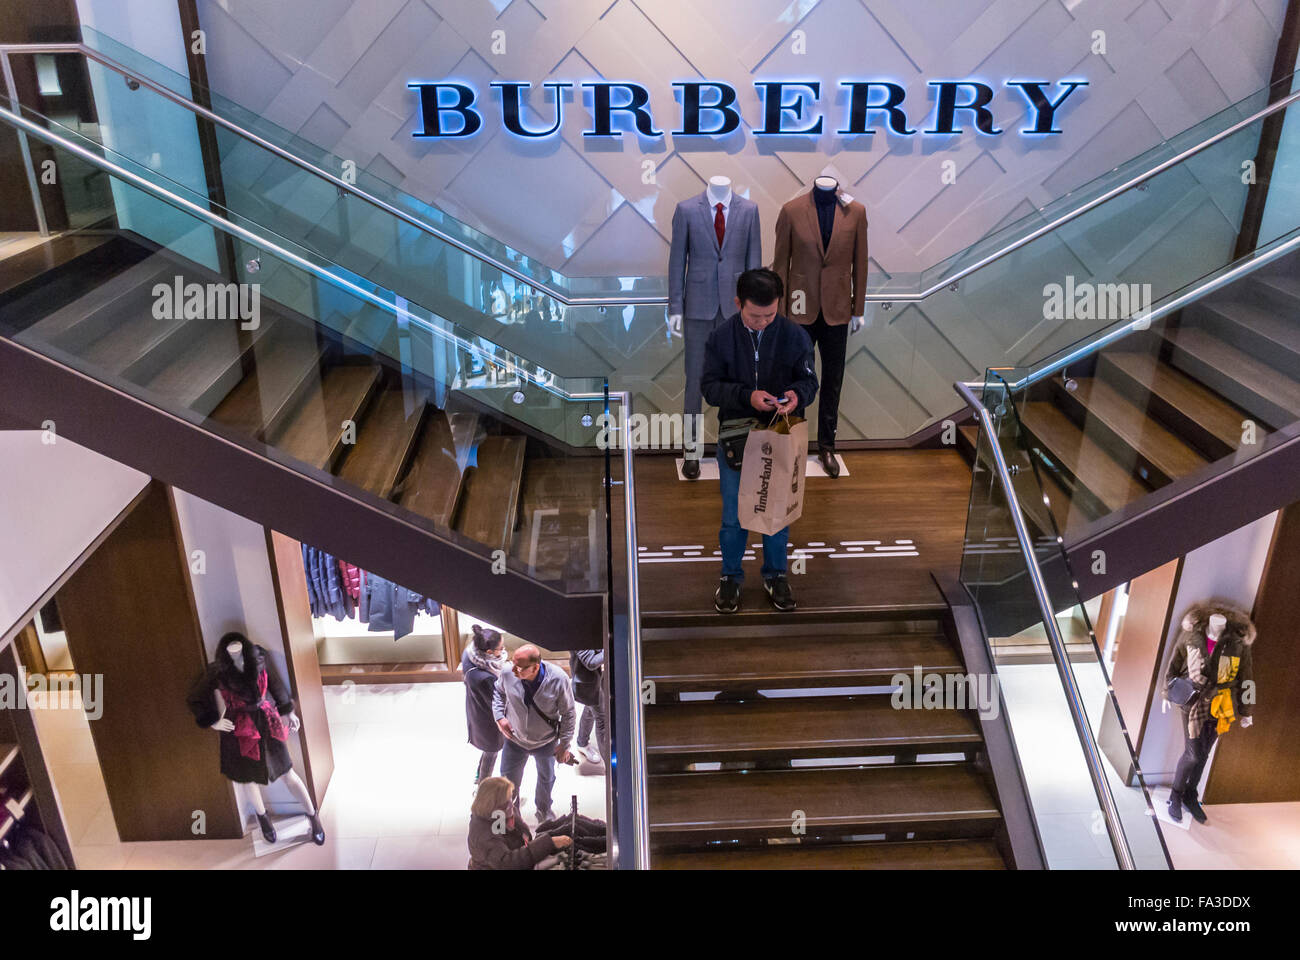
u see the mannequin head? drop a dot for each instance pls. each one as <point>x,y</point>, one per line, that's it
<point>1216,624</point>
<point>826,183</point>
<point>719,189</point>
<point>235,653</point>
<point>758,295</point>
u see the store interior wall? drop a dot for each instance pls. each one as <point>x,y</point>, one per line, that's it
<point>1226,569</point>
<point>335,71</point>
<point>234,591</point>
<point>55,499</point>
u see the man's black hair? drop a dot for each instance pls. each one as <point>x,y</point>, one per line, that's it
<point>760,287</point>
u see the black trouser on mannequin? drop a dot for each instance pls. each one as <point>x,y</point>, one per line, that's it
<point>696,334</point>
<point>1196,751</point>
<point>832,343</point>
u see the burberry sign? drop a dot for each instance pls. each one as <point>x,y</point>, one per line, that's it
<point>709,108</point>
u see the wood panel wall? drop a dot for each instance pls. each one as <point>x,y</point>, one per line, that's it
<point>1262,764</point>
<point>129,615</point>
<point>294,608</point>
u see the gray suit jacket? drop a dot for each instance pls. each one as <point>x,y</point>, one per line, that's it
<point>702,278</point>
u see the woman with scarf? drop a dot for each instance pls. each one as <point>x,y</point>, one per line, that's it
<point>479,665</point>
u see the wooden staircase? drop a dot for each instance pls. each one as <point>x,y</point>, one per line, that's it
<point>1162,405</point>
<point>775,745</point>
<point>302,390</point>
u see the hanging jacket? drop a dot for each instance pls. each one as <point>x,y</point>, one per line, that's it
<point>351,579</point>
<point>386,606</point>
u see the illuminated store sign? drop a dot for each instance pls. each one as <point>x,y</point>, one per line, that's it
<point>708,108</point>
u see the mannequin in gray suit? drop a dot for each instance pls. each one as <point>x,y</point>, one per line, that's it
<point>702,274</point>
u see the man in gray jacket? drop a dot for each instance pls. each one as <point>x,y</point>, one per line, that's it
<point>533,706</point>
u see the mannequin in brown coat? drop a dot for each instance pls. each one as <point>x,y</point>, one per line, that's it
<point>821,257</point>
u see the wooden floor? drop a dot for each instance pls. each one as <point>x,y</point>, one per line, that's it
<point>913,502</point>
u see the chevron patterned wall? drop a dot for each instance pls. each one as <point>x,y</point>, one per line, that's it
<point>335,71</point>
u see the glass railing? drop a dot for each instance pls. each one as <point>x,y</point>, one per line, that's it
<point>1205,378</point>
<point>1179,224</point>
<point>320,370</point>
<point>1092,812</point>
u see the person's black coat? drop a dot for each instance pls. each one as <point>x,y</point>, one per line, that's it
<point>483,730</point>
<point>274,761</point>
<point>785,362</point>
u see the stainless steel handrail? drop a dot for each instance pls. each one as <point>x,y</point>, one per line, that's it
<point>1249,264</point>
<point>632,655</point>
<point>1073,698</point>
<point>338,182</point>
<point>263,243</point>
<point>585,301</point>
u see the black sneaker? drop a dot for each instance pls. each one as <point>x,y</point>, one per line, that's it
<point>778,591</point>
<point>1195,809</point>
<point>727,597</point>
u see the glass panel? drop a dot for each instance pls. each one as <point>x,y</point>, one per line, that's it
<point>333,376</point>
<point>994,568</point>
<point>1175,227</point>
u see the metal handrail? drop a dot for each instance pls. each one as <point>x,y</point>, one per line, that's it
<point>1241,268</point>
<point>599,301</point>
<point>1073,698</point>
<point>635,716</point>
<point>263,243</point>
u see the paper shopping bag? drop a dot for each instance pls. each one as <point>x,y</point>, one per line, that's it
<point>772,476</point>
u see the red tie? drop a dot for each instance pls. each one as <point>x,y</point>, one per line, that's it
<point>719,224</point>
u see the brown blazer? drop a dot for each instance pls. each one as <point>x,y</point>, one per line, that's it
<point>834,281</point>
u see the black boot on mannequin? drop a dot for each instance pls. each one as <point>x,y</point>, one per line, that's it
<point>317,831</point>
<point>1194,808</point>
<point>268,831</point>
<point>1175,808</point>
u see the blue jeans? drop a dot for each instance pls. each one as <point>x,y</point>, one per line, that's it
<point>513,760</point>
<point>733,538</point>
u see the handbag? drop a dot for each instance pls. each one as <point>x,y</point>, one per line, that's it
<point>732,435</point>
<point>1181,691</point>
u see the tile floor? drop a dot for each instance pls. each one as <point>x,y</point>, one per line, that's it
<point>1238,836</point>
<point>399,798</point>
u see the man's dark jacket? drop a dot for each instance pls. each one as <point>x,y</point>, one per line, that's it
<point>785,362</point>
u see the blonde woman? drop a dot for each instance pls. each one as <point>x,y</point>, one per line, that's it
<point>498,837</point>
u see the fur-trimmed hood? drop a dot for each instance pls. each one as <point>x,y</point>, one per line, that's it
<point>1239,626</point>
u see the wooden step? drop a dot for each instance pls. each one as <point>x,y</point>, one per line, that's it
<point>137,343</point>
<point>490,501</point>
<point>976,854</point>
<point>1030,486</point>
<point>49,255</point>
<point>1266,334</point>
<point>761,802</point>
<point>1127,431</point>
<point>210,365</point>
<point>284,366</point>
<point>75,325</point>
<point>1267,393</point>
<point>791,727</point>
<point>768,662</point>
<point>386,440</point>
<point>1188,407</point>
<point>1100,476</point>
<point>432,485</point>
<point>316,431</point>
